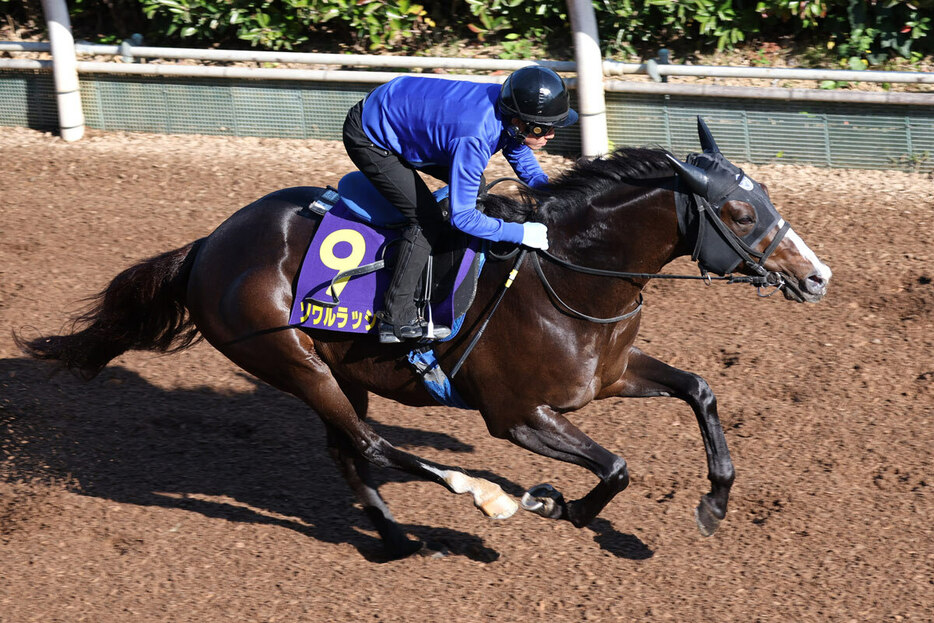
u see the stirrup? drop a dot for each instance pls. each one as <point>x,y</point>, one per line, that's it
<point>439,332</point>
<point>387,335</point>
<point>390,334</point>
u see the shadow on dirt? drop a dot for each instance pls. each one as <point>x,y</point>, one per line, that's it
<point>252,457</point>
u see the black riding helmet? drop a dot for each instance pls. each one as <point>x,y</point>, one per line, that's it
<point>537,96</point>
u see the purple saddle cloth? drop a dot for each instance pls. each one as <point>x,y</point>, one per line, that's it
<point>345,244</point>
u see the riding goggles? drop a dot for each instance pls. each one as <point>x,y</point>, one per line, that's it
<point>538,130</point>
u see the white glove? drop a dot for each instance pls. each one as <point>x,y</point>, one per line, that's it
<point>535,235</point>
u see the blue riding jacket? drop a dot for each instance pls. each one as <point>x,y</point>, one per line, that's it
<point>455,124</point>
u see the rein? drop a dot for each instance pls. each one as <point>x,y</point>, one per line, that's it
<point>766,279</point>
<point>591,271</point>
<point>730,278</point>
<point>762,279</point>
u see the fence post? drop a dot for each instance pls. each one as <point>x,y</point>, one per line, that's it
<point>64,70</point>
<point>591,101</point>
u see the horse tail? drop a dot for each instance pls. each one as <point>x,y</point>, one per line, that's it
<point>143,308</point>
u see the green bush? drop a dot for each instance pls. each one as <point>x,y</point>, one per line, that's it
<point>102,21</point>
<point>858,33</point>
<point>21,14</point>
<point>519,26</point>
<point>875,32</point>
<point>630,27</point>
<point>288,23</point>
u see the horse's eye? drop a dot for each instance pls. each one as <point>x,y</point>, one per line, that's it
<point>745,220</point>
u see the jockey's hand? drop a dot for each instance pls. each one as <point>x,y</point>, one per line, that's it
<point>535,235</point>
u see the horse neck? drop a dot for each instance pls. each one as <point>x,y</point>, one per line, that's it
<point>629,229</point>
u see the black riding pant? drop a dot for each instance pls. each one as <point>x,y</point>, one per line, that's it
<point>397,180</point>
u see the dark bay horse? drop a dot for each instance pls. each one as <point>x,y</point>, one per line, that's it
<point>562,337</point>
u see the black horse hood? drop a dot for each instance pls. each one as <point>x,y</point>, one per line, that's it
<point>727,182</point>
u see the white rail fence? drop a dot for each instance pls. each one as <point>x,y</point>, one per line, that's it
<point>127,59</point>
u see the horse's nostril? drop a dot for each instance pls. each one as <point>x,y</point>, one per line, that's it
<point>815,283</point>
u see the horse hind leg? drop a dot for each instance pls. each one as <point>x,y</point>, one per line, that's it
<point>356,471</point>
<point>312,382</point>
<point>488,496</point>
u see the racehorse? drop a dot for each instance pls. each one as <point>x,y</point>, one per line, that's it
<point>563,336</point>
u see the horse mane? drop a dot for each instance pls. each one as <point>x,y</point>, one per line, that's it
<point>578,186</point>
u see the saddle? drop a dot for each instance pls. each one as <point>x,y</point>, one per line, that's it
<point>344,275</point>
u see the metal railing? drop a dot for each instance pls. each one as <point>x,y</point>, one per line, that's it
<point>130,55</point>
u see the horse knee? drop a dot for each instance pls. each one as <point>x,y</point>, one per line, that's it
<point>700,393</point>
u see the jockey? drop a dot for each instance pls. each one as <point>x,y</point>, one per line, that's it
<point>450,129</point>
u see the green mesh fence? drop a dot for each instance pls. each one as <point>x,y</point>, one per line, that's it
<point>843,135</point>
<point>27,99</point>
<point>273,109</point>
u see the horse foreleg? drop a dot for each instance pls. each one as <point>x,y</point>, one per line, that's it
<point>648,377</point>
<point>550,434</point>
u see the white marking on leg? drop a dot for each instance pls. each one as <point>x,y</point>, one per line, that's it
<point>489,497</point>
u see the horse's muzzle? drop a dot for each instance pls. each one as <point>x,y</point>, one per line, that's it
<point>811,289</point>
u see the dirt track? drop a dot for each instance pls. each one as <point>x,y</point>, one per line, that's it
<point>179,489</point>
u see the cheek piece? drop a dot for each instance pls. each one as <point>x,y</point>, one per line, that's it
<point>726,182</point>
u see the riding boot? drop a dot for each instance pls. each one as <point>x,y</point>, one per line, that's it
<point>400,319</point>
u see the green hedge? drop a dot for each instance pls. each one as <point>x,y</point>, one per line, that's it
<point>857,32</point>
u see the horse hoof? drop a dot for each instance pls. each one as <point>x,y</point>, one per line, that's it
<point>500,507</point>
<point>433,550</point>
<point>488,496</point>
<point>707,521</point>
<point>404,548</point>
<point>543,500</point>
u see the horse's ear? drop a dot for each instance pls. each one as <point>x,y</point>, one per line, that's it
<point>706,138</point>
<point>693,176</point>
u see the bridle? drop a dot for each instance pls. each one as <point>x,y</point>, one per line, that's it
<point>755,260</point>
